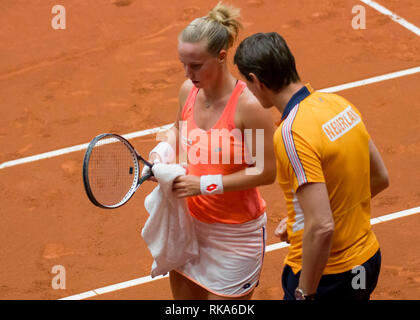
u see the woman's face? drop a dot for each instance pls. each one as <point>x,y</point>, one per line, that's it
<point>200,66</point>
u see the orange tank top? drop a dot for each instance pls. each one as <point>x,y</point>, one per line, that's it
<point>220,150</point>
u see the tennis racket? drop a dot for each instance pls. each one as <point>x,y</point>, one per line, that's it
<point>111,171</point>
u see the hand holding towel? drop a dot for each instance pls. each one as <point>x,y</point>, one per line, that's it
<point>169,231</point>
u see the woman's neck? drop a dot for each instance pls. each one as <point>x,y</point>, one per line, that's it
<point>223,85</point>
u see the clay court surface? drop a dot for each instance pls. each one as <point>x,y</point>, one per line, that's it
<point>115,69</point>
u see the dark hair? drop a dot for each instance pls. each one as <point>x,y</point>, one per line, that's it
<point>269,58</point>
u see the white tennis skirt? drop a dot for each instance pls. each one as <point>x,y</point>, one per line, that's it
<point>231,257</point>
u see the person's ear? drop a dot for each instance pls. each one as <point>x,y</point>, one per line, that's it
<point>255,80</point>
<point>222,56</point>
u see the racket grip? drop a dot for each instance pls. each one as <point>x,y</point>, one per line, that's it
<point>143,179</point>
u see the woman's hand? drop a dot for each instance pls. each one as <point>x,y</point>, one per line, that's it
<point>154,158</point>
<point>186,186</point>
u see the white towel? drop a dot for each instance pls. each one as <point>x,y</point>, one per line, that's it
<point>169,231</point>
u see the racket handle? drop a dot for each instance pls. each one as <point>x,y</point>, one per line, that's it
<point>144,178</point>
<point>148,163</point>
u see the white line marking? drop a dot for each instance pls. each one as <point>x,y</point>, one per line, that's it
<point>127,284</point>
<point>396,215</point>
<point>272,247</point>
<point>114,287</point>
<point>393,16</point>
<point>81,296</point>
<point>372,80</point>
<point>80,147</point>
<point>276,246</point>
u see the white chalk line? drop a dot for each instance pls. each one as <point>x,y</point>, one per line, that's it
<point>393,16</point>
<point>364,82</point>
<point>270,248</point>
<point>137,134</point>
<point>79,147</point>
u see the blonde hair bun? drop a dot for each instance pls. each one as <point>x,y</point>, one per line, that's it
<point>219,28</point>
<point>224,14</point>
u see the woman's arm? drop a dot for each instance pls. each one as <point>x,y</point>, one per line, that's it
<point>254,118</point>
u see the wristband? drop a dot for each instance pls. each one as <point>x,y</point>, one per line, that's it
<point>165,152</point>
<point>211,184</point>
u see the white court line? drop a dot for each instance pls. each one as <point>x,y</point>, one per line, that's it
<point>372,80</point>
<point>272,247</point>
<point>393,16</point>
<point>80,147</point>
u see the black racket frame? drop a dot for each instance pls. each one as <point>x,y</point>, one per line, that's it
<point>86,159</point>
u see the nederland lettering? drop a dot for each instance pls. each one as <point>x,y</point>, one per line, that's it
<point>341,124</point>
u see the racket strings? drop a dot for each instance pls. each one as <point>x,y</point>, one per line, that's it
<point>113,171</point>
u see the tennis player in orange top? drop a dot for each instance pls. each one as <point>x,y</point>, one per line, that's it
<point>215,113</point>
<point>328,168</point>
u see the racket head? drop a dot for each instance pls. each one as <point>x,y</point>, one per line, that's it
<point>111,171</point>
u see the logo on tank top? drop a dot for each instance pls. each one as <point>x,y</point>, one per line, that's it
<point>186,141</point>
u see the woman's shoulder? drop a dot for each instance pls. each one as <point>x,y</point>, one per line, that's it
<point>250,111</point>
<point>184,91</point>
<point>183,94</point>
<point>247,102</point>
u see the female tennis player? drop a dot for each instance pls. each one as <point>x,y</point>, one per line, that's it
<point>215,113</point>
